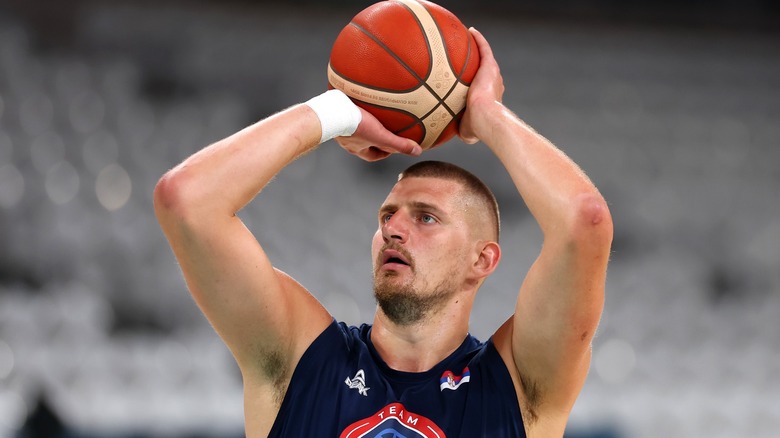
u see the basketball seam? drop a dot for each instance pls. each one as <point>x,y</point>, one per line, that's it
<point>418,120</point>
<point>466,62</point>
<point>431,30</point>
<point>427,42</point>
<point>442,100</point>
<point>458,75</point>
<point>396,57</point>
<point>430,55</point>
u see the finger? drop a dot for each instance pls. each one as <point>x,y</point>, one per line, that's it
<point>393,143</point>
<point>375,133</point>
<point>409,147</point>
<point>485,51</point>
<point>469,140</point>
<point>373,153</point>
<point>388,149</point>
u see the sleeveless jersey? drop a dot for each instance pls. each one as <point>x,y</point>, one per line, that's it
<point>342,388</point>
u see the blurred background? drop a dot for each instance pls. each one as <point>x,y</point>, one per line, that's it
<point>672,108</point>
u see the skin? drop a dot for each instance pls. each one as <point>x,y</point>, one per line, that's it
<point>268,320</point>
<point>422,216</point>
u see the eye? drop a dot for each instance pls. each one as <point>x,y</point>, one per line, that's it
<point>427,219</point>
<point>385,217</point>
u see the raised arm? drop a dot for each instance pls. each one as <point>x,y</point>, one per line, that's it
<point>260,313</point>
<point>265,317</point>
<point>560,301</point>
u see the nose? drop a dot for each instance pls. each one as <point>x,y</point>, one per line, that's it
<point>395,228</point>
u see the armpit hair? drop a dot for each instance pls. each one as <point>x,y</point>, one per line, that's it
<point>533,398</point>
<point>274,368</point>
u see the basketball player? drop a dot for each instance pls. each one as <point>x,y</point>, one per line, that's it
<point>416,371</point>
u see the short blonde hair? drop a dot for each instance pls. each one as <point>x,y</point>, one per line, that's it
<point>470,182</point>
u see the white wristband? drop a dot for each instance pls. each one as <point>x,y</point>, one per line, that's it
<point>338,115</point>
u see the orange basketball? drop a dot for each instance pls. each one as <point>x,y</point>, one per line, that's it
<point>410,64</point>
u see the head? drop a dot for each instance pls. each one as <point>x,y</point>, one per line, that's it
<point>436,243</point>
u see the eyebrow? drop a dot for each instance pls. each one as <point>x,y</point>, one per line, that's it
<point>416,205</point>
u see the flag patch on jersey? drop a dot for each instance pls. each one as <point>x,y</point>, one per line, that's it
<point>450,381</point>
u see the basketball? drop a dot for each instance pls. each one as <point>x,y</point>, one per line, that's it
<point>409,63</point>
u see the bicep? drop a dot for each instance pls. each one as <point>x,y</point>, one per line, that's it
<point>557,313</point>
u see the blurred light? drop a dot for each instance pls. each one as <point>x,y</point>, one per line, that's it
<point>71,79</point>
<point>11,186</point>
<point>136,122</point>
<point>62,183</point>
<point>614,360</point>
<point>6,360</point>
<point>113,187</point>
<point>87,111</point>
<point>99,150</point>
<point>46,150</point>
<point>6,148</point>
<point>36,113</point>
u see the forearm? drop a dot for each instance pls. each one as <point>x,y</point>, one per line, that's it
<point>553,187</point>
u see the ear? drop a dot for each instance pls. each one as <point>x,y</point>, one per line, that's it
<point>487,259</point>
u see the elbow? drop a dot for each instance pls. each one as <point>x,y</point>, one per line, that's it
<point>170,197</point>
<point>591,222</point>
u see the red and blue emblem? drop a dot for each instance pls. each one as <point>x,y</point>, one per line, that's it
<point>393,421</point>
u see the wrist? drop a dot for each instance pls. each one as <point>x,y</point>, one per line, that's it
<point>485,117</point>
<point>338,115</point>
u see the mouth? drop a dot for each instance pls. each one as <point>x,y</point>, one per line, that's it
<point>391,259</point>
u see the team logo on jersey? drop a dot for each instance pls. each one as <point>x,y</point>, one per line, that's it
<point>358,382</point>
<point>393,421</point>
<point>450,381</point>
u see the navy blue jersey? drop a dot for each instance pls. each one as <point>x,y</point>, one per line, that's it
<point>342,388</point>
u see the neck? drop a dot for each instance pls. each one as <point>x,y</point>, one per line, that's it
<point>420,346</point>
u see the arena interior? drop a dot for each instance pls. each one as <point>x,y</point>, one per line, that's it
<point>672,108</point>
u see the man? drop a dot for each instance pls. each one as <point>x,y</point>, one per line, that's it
<point>416,371</point>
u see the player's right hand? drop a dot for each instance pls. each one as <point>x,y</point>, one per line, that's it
<point>372,141</point>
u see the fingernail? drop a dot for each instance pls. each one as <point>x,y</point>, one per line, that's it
<point>417,151</point>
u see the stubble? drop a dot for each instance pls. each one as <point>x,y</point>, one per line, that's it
<point>403,304</point>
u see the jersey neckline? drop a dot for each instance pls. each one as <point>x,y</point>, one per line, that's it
<point>469,343</point>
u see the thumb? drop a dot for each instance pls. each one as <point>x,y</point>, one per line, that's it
<point>393,143</point>
<point>409,147</point>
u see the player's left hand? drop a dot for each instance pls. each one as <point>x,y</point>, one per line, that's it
<point>486,89</point>
<point>372,141</point>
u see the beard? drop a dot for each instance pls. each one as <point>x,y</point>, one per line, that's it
<point>404,305</point>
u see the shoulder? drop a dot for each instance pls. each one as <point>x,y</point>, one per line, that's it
<point>339,335</point>
<point>338,344</point>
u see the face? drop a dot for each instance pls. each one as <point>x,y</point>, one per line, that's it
<point>421,247</point>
